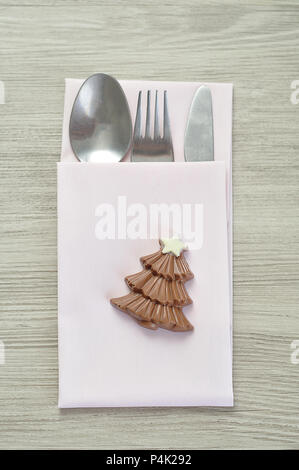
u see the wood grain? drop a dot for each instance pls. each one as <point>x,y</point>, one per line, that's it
<point>255,46</point>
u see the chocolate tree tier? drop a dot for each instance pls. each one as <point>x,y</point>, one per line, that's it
<point>170,267</point>
<point>152,314</point>
<point>158,289</point>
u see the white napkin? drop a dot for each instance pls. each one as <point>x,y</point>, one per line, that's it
<point>105,359</point>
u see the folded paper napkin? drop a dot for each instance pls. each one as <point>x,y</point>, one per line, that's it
<point>106,358</point>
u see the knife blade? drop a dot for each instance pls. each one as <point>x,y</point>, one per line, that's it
<point>199,134</point>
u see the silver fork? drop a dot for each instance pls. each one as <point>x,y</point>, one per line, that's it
<point>147,148</point>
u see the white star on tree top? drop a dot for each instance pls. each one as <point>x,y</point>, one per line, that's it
<point>173,245</point>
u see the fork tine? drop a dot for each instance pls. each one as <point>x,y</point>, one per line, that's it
<point>148,115</point>
<point>166,124</point>
<point>156,126</point>
<point>137,126</point>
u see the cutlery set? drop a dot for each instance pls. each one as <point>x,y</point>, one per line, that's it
<point>111,215</point>
<point>101,128</point>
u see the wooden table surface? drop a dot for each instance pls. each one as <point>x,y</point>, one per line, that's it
<point>253,44</point>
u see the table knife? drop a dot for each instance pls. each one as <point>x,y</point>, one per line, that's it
<point>199,135</point>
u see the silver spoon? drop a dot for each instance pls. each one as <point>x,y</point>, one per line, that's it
<point>100,124</point>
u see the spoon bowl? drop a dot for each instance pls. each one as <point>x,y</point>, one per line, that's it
<point>100,124</point>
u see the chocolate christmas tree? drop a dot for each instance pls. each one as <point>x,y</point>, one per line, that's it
<point>158,292</point>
